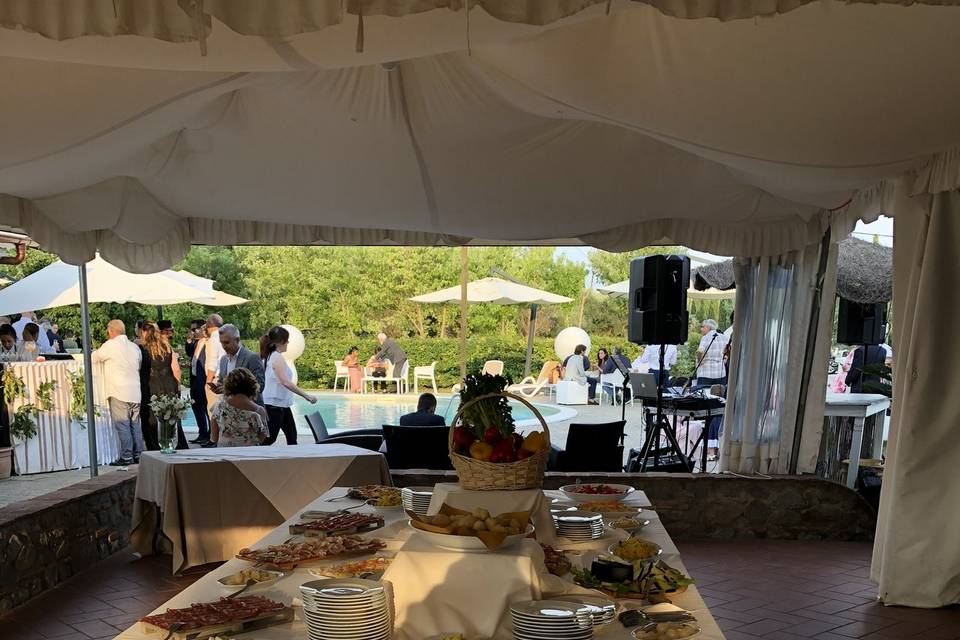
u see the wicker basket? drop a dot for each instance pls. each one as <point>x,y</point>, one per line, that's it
<point>491,476</point>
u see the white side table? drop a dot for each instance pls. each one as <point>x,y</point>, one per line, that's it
<point>858,406</point>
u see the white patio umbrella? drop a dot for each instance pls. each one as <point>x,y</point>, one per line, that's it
<point>58,285</point>
<point>496,291</point>
<point>620,290</point>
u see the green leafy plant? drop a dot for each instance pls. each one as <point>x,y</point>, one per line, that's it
<point>885,384</point>
<point>13,386</point>
<point>488,412</point>
<point>24,424</point>
<point>45,395</point>
<point>78,399</point>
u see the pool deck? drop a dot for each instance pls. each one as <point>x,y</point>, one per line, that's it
<point>20,488</point>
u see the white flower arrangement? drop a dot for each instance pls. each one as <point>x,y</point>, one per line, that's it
<point>169,408</point>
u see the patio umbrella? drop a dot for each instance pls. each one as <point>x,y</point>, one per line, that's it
<point>58,285</point>
<point>620,289</point>
<point>497,291</point>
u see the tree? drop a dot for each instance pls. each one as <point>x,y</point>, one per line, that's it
<point>611,268</point>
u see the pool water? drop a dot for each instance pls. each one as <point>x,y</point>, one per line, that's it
<point>346,412</point>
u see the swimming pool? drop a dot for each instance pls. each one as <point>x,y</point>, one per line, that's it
<point>343,412</point>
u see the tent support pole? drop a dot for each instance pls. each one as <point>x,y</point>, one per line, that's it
<point>88,370</point>
<point>811,350</point>
<point>159,312</point>
<point>531,332</point>
<point>464,272</point>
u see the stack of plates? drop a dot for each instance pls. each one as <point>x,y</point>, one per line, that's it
<point>551,619</point>
<point>579,525</point>
<point>416,499</point>
<point>602,610</point>
<point>346,609</point>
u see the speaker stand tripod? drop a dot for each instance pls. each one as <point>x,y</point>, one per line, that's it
<point>661,427</point>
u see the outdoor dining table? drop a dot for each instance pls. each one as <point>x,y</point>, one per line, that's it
<point>437,590</point>
<point>210,502</point>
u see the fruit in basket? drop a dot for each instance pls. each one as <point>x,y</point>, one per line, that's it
<point>492,435</point>
<point>463,437</point>
<point>536,442</point>
<point>481,451</point>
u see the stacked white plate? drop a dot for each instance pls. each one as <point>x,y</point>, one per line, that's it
<point>602,610</point>
<point>579,525</point>
<point>416,499</point>
<point>551,620</point>
<point>346,609</point>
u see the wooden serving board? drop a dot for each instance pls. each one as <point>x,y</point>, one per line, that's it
<point>242,626</point>
<point>290,566</point>
<point>300,530</point>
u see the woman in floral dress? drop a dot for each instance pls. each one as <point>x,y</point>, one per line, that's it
<point>236,420</point>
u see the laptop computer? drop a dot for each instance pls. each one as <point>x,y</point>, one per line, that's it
<point>644,385</point>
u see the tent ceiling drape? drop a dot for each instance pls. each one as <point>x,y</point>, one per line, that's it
<point>615,131</point>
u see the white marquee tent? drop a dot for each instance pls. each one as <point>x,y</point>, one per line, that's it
<point>748,128</point>
<point>622,288</point>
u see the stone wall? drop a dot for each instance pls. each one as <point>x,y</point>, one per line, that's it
<point>45,540</point>
<point>726,506</point>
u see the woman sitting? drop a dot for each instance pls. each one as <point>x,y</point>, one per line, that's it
<point>236,420</point>
<point>352,363</point>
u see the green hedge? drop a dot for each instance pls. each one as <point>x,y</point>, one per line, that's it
<point>315,367</point>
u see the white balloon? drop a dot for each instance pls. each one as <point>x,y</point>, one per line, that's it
<point>296,345</point>
<point>295,348</point>
<point>568,339</point>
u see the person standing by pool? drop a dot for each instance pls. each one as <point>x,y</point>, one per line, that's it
<point>390,350</point>
<point>279,388</point>
<point>352,362</point>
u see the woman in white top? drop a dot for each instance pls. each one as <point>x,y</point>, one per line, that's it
<point>278,386</point>
<point>10,350</point>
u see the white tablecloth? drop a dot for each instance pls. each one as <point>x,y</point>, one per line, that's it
<point>215,501</point>
<point>468,581</point>
<point>60,442</point>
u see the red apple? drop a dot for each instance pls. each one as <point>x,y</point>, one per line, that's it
<point>523,454</point>
<point>492,435</point>
<point>463,437</point>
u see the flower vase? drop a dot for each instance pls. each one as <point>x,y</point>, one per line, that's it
<point>168,437</point>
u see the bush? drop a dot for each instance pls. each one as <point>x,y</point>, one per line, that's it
<point>315,367</point>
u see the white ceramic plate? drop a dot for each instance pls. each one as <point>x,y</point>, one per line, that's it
<point>468,543</point>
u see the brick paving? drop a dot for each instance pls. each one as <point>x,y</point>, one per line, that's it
<point>757,590</point>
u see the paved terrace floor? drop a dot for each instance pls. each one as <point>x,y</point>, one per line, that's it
<point>757,590</point>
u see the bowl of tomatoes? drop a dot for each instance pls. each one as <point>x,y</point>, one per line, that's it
<point>601,492</point>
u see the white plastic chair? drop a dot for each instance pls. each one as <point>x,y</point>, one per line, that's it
<point>492,367</point>
<point>609,384</point>
<point>530,386</point>
<point>400,379</point>
<point>425,373</point>
<point>369,378</point>
<point>342,372</point>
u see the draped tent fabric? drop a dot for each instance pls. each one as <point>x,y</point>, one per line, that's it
<point>773,312</point>
<point>652,119</point>
<point>915,558</point>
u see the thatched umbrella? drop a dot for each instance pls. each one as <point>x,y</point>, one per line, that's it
<point>864,272</point>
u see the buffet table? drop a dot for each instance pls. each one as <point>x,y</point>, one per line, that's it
<point>210,502</point>
<point>60,443</point>
<point>437,590</point>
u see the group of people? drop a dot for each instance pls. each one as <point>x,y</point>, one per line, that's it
<point>388,358</point>
<point>240,398</point>
<point>28,338</point>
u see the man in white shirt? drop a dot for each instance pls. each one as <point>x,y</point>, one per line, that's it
<point>26,317</point>
<point>649,360</point>
<point>213,352</point>
<point>121,371</point>
<point>710,355</point>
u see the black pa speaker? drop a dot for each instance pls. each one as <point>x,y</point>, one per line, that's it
<point>861,323</point>
<point>657,302</point>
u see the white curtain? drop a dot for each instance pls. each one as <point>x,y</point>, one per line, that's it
<point>774,299</point>
<point>916,558</point>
